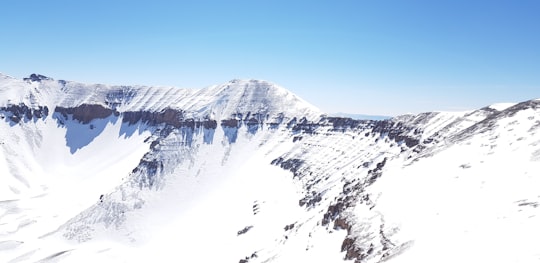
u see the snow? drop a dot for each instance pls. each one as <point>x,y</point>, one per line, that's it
<point>463,204</point>
<point>208,201</point>
<point>501,106</point>
<point>58,169</point>
<point>202,206</point>
<point>69,192</point>
<point>44,184</point>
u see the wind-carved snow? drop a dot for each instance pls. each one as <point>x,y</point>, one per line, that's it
<point>248,172</point>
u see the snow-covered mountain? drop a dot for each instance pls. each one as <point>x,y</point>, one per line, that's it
<point>248,172</point>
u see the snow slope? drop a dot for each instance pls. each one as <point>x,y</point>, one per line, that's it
<point>248,172</point>
<point>476,201</point>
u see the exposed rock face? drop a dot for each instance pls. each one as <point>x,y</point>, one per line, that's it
<point>292,165</point>
<point>37,78</point>
<point>85,113</point>
<point>167,116</point>
<point>210,124</point>
<point>230,123</point>
<point>244,230</point>
<point>372,242</point>
<point>21,112</point>
<point>394,130</point>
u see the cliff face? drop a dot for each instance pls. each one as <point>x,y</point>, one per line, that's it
<point>86,113</point>
<point>21,112</point>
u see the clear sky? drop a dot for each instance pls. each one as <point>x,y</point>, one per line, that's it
<point>358,56</point>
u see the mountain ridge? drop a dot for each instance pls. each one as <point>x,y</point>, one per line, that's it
<point>254,96</point>
<point>116,174</point>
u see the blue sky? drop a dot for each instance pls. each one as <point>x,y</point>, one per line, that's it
<point>362,56</point>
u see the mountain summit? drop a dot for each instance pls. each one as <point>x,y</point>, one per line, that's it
<point>255,96</point>
<point>248,172</point>
<point>237,97</point>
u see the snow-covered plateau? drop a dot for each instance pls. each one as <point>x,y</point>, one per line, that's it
<point>249,172</point>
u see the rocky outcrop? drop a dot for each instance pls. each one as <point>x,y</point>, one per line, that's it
<point>303,126</point>
<point>246,259</point>
<point>230,123</point>
<point>21,112</point>
<point>167,116</point>
<point>36,78</point>
<point>362,242</point>
<point>392,129</point>
<point>292,165</point>
<point>398,131</point>
<point>244,230</point>
<point>85,113</point>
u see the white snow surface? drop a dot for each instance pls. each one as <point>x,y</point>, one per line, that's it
<point>467,192</point>
<point>501,106</point>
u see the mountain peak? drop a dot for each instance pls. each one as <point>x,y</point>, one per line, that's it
<point>246,81</point>
<point>262,85</point>
<point>240,85</point>
<point>257,96</point>
<point>37,77</point>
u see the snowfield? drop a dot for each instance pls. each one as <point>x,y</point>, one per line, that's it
<point>248,172</point>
